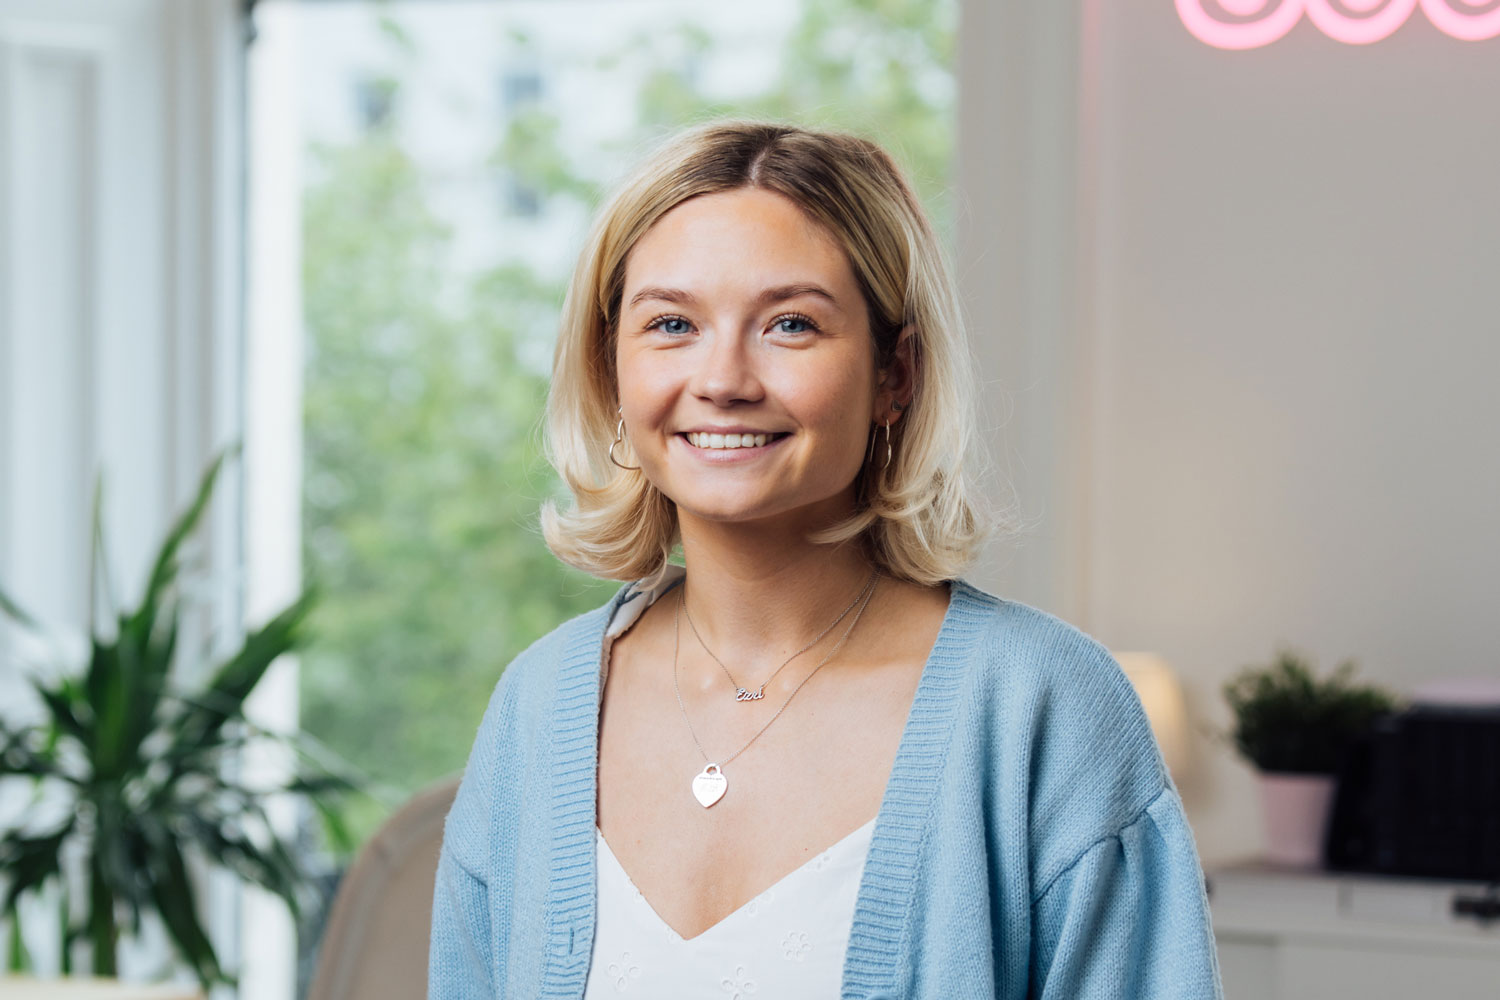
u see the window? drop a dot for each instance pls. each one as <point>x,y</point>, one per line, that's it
<point>374,101</point>
<point>519,89</point>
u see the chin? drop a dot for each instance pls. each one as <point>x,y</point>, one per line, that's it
<point>739,510</point>
<point>725,513</point>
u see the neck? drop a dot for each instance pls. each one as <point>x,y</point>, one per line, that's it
<point>758,595</point>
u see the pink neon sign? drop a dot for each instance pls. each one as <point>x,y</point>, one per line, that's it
<point>1249,24</point>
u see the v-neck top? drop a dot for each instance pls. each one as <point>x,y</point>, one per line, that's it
<point>788,942</point>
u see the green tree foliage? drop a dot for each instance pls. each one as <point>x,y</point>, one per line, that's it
<point>424,477</point>
<point>424,470</point>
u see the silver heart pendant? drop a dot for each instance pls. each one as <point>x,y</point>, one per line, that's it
<point>709,785</point>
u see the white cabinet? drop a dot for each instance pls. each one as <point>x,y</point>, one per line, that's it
<point>1299,936</point>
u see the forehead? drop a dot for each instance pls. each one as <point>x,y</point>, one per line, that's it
<point>748,238</point>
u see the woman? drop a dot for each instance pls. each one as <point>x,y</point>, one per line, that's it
<point>811,761</point>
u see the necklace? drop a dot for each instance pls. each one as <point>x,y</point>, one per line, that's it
<point>710,784</point>
<point>742,693</point>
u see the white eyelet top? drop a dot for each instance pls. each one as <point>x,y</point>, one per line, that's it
<point>787,943</point>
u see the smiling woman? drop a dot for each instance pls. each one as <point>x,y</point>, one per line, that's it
<point>861,776</point>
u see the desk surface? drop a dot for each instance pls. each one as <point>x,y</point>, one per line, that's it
<point>1263,901</point>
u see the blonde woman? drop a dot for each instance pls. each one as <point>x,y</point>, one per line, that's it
<point>811,761</point>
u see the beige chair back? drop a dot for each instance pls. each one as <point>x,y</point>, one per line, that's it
<point>375,945</point>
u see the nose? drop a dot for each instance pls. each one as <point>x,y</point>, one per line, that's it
<point>726,371</point>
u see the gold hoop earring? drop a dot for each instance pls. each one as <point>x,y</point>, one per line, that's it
<point>620,437</point>
<point>870,453</point>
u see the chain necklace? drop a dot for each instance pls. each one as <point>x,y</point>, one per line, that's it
<point>744,694</point>
<point>710,784</point>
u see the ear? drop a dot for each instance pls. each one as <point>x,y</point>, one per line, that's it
<point>897,382</point>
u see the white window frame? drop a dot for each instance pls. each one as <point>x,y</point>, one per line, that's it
<point>121,323</point>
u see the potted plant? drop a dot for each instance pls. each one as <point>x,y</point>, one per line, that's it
<point>135,775</point>
<point>1295,730</point>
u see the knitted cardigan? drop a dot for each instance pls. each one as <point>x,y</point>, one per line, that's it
<point>1030,842</point>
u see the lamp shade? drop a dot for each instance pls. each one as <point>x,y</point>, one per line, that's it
<point>1161,695</point>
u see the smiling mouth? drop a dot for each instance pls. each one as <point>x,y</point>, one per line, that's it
<point>724,442</point>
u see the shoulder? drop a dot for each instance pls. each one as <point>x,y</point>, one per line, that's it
<point>1036,659</point>
<point>1053,703</point>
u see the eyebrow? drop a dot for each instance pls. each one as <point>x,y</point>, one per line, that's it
<point>771,295</point>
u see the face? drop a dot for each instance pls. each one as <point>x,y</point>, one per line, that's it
<point>741,321</point>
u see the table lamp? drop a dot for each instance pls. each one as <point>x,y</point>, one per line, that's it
<point>1161,695</point>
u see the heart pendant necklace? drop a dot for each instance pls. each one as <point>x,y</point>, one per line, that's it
<point>710,784</point>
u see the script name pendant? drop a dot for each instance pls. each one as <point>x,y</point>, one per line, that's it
<point>740,694</point>
<point>709,785</point>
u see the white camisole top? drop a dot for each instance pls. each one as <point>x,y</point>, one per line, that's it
<point>786,943</point>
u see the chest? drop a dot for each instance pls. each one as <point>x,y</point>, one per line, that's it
<point>817,774</point>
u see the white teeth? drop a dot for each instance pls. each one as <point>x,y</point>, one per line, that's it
<point>719,441</point>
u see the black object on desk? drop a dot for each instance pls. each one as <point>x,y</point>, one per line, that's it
<point>1420,795</point>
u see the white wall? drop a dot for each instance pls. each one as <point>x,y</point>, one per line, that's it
<point>1261,407</point>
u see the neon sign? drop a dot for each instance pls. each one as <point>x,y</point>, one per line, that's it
<point>1250,24</point>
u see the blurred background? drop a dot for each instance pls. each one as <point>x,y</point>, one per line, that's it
<point>1229,269</point>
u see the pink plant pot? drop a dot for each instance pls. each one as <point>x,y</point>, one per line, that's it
<point>1296,808</point>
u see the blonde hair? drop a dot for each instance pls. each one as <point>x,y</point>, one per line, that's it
<point>921,518</point>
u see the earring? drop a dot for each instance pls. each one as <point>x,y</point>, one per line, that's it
<point>870,454</point>
<point>620,436</point>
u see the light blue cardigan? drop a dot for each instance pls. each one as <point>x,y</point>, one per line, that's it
<point>1030,842</point>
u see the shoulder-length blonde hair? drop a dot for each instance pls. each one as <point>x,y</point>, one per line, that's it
<point>921,518</point>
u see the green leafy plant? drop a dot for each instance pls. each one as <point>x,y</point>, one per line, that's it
<point>138,775</point>
<point>1289,721</point>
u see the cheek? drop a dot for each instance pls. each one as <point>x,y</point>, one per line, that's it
<point>841,411</point>
<point>644,388</point>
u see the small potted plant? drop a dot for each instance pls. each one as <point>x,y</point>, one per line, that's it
<point>1295,729</point>
<point>139,773</point>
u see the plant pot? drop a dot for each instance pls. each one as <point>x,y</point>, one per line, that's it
<point>1296,809</point>
<point>89,989</point>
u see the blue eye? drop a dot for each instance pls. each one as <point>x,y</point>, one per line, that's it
<point>675,325</point>
<point>803,323</point>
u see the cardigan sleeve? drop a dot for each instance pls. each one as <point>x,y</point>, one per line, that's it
<point>1129,918</point>
<point>457,967</point>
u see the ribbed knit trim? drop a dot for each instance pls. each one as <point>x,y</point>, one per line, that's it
<point>575,771</point>
<point>888,884</point>
<point>886,888</point>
